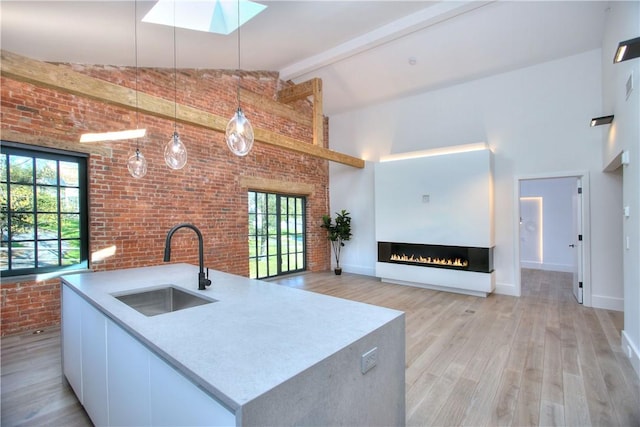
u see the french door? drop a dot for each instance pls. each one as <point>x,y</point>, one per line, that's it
<point>277,239</point>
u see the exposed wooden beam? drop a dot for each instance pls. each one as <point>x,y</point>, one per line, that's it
<point>276,186</point>
<point>318,114</point>
<point>66,80</point>
<point>297,91</point>
<point>303,90</point>
<point>282,110</point>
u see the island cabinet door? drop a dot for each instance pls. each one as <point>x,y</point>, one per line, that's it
<point>128,374</point>
<point>94,365</point>
<point>177,401</point>
<point>72,339</point>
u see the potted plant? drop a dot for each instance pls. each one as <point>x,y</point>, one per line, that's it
<point>337,233</point>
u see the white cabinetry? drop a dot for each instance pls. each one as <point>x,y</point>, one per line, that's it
<point>128,366</point>
<point>94,365</point>
<point>120,381</point>
<point>177,401</point>
<point>72,339</point>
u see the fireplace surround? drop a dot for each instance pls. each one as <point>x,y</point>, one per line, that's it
<point>434,220</point>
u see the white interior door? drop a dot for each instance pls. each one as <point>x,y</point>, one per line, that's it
<point>577,243</point>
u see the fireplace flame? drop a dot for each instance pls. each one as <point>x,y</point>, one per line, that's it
<point>456,262</point>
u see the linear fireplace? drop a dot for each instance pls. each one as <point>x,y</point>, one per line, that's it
<point>437,256</point>
<point>445,201</point>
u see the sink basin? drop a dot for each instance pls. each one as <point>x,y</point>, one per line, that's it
<point>162,300</point>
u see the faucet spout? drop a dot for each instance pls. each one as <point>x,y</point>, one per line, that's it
<point>203,281</point>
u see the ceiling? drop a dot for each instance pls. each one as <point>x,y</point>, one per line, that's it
<point>365,51</point>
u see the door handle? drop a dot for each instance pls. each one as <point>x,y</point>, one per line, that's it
<point>572,245</point>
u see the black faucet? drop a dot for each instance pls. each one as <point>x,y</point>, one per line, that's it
<point>203,281</point>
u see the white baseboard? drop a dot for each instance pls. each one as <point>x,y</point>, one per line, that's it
<point>608,303</point>
<point>632,352</point>
<point>546,266</point>
<point>435,287</point>
<point>507,289</point>
<point>359,269</point>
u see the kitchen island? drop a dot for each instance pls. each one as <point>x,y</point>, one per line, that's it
<point>257,354</point>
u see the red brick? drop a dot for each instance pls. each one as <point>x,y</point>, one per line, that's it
<point>135,215</point>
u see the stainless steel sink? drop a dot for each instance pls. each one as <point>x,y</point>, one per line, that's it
<point>162,300</point>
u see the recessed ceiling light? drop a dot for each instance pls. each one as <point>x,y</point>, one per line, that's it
<point>213,16</point>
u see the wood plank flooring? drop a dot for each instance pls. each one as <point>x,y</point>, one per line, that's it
<point>33,392</point>
<point>541,359</point>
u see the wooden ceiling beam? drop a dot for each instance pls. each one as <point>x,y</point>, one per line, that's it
<point>304,90</point>
<point>278,108</point>
<point>66,80</point>
<point>297,91</point>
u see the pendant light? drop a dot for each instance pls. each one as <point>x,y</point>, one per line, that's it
<point>239,133</point>
<point>175,152</point>
<point>136,164</point>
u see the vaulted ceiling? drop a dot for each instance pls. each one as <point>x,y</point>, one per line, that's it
<point>364,51</point>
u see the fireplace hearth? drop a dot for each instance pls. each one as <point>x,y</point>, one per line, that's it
<point>462,258</point>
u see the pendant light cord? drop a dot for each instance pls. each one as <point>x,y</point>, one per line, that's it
<point>135,42</point>
<point>175,74</point>
<point>239,68</point>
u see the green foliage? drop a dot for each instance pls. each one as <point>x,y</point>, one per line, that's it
<point>337,232</point>
<point>34,205</point>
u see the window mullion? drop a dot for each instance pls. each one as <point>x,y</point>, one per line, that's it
<point>59,213</point>
<point>278,235</point>
<point>9,216</point>
<point>34,212</point>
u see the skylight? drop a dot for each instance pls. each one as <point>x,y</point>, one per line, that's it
<point>214,16</point>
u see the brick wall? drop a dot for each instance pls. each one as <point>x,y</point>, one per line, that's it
<point>132,216</point>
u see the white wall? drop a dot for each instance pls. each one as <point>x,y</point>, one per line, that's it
<point>623,23</point>
<point>536,121</point>
<point>557,221</point>
<point>458,212</point>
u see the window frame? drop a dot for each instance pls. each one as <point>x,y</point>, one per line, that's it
<point>45,153</point>
<point>254,260</point>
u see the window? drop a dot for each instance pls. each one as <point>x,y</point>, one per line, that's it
<point>276,234</point>
<point>43,222</point>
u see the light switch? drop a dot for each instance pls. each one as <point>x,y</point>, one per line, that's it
<point>626,211</point>
<point>425,198</point>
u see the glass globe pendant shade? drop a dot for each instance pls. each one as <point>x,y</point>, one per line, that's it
<point>137,165</point>
<point>175,153</point>
<point>239,134</point>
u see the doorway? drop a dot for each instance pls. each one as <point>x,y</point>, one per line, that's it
<point>277,234</point>
<point>550,232</point>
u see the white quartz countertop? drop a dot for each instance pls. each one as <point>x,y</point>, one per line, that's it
<point>256,336</point>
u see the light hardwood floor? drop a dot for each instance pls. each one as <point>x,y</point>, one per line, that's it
<point>541,359</point>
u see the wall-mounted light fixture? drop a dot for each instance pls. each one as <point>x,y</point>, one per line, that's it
<point>604,120</point>
<point>627,49</point>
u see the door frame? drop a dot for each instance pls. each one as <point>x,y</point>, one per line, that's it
<point>586,229</point>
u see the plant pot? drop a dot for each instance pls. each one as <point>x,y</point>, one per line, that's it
<point>338,271</point>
